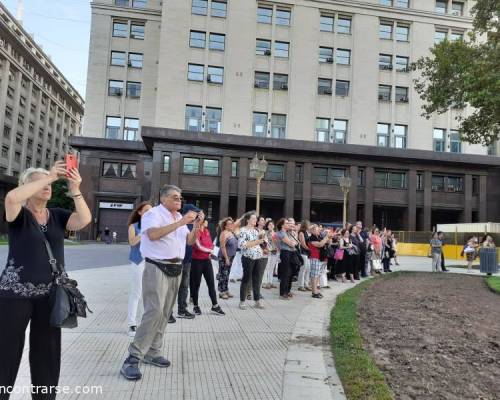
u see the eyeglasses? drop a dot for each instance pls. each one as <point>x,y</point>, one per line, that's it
<point>177,198</point>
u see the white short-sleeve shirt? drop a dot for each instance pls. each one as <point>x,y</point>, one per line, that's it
<point>169,246</point>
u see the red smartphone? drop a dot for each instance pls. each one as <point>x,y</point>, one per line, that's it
<point>71,162</point>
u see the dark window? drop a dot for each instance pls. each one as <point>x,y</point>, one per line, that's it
<point>191,165</point>
<point>217,41</point>
<point>210,167</point>
<point>197,39</point>
<point>234,169</point>
<point>120,29</point>
<point>135,60</point>
<point>6,132</point>
<point>193,118</point>
<point>134,90</point>
<point>110,169</point>
<point>384,92</point>
<point>341,88</point>
<point>199,7</point>
<point>455,142</point>
<point>118,58</point>
<point>441,6</point>
<point>299,173</point>
<point>195,72</point>
<point>324,175</point>
<point>326,23</point>
<point>402,64</point>
<point>264,15</point>
<point>137,30</point>
<point>401,94</point>
<point>259,124</point>
<point>275,172</point>
<point>420,181</point>
<point>113,125</point>
<point>166,163</point>
<point>278,126</point>
<point>261,80</point>
<point>280,82</point>
<point>5,152</point>
<point>475,185</point>
<point>324,86</point>
<point>457,8</point>
<point>390,180</point>
<point>439,139</point>
<point>128,171</point>
<point>219,8</point>
<point>361,177</point>
<point>283,17</point>
<point>214,120</point>
<point>385,61</point>
<point>263,47</point>
<point>385,31</point>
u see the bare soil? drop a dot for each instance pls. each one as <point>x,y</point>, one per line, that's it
<point>434,336</point>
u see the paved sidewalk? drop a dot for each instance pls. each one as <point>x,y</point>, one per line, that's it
<point>281,352</point>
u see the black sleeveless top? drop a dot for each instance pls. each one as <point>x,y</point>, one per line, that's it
<point>28,273</point>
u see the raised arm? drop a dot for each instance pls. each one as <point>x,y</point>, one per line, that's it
<point>82,215</point>
<point>17,197</point>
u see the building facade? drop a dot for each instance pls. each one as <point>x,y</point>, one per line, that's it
<point>39,109</point>
<point>401,189</point>
<point>317,70</point>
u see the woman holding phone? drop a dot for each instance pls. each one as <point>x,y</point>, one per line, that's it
<point>26,281</point>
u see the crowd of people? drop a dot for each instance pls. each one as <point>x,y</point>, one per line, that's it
<point>171,251</point>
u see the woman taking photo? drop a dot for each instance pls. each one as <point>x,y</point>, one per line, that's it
<point>345,264</point>
<point>251,252</point>
<point>228,247</point>
<point>136,264</point>
<point>304,273</point>
<point>26,281</point>
<point>317,257</point>
<point>273,258</point>
<point>287,247</point>
<point>201,265</point>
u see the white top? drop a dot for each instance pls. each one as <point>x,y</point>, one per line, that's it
<point>169,246</point>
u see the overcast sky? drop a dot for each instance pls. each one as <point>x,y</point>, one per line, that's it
<point>62,28</point>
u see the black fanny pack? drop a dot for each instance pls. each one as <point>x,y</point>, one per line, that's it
<point>172,268</point>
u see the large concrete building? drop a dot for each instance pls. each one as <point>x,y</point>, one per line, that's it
<point>39,109</point>
<point>329,70</point>
<point>192,89</point>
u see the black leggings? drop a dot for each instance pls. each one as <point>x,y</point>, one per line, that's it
<point>251,273</point>
<point>201,268</point>
<point>285,272</point>
<point>44,345</point>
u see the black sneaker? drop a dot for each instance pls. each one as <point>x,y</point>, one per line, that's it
<point>172,319</point>
<point>130,369</point>
<point>196,310</point>
<point>185,314</point>
<point>217,310</point>
<point>159,361</point>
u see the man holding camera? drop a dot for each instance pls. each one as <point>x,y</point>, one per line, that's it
<point>163,245</point>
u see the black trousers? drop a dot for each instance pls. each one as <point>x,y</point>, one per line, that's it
<point>286,270</point>
<point>443,266</point>
<point>184,288</point>
<point>362,263</point>
<point>251,273</point>
<point>201,268</point>
<point>356,265</point>
<point>44,345</point>
<point>386,262</point>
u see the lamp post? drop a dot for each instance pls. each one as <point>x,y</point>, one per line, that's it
<point>345,185</point>
<point>258,170</point>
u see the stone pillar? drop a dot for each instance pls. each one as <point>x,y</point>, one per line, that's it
<point>411,213</point>
<point>369,183</point>
<point>468,199</point>
<point>483,195</point>
<point>427,201</point>
<point>352,210</point>
<point>242,185</point>
<point>289,188</point>
<point>306,191</point>
<point>224,187</point>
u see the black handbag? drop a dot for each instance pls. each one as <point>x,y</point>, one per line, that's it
<point>66,300</point>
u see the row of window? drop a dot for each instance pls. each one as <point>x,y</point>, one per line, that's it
<point>115,88</point>
<point>196,72</point>
<point>114,128</point>
<point>216,41</point>
<point>400,93</point>
<point>119,59</point>
<point>131,3</point>
<point>326,175</point>
<point>457,7</point>
<point>124,29</point>
<point>218,8</point>
<point>119,170</point>
<point>443,141</point>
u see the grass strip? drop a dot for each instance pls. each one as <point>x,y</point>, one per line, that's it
<point>494,283</point>
<point>360,377</point>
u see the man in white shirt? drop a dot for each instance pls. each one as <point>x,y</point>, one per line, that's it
<point>163,243</point>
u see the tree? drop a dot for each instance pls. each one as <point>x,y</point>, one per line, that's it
<point>59,198</point>
<point>467,73</point>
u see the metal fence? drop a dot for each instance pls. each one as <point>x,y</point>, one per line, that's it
<point>457,238</point>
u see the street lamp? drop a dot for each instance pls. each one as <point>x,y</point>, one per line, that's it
<point>258,170</point>
<point>345,185</point>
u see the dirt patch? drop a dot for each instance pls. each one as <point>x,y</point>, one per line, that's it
<point>434,336</point>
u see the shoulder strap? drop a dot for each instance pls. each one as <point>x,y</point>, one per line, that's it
<point>52,259</point>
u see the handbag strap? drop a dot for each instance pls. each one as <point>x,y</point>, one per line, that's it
<point>52,259</point>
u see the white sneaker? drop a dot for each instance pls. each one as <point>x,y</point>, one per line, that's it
<point>259,305</point>
<point>243,306</point>
<point>131,331</point>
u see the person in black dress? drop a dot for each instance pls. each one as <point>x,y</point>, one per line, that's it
<point>26,281</point>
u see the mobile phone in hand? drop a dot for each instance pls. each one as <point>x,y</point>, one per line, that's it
<point>71,162</point>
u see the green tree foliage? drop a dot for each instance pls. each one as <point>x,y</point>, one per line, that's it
<point>59,198</point>
<point>467,73</point>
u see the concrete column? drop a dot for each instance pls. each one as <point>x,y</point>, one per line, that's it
<point>224,187</point>
<point>427,201</point>
<point>156,172</point>
<point>289,188</point>
<point>306,191</point>
<point>352,210</point>
<point>369,183</point>
<point>411,213</point>
<point>468,199</point>
<point>242,185</point>
<point>175,167</point>
<point>483,195</point>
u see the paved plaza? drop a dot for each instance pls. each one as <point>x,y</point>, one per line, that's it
<point>281,352</point>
